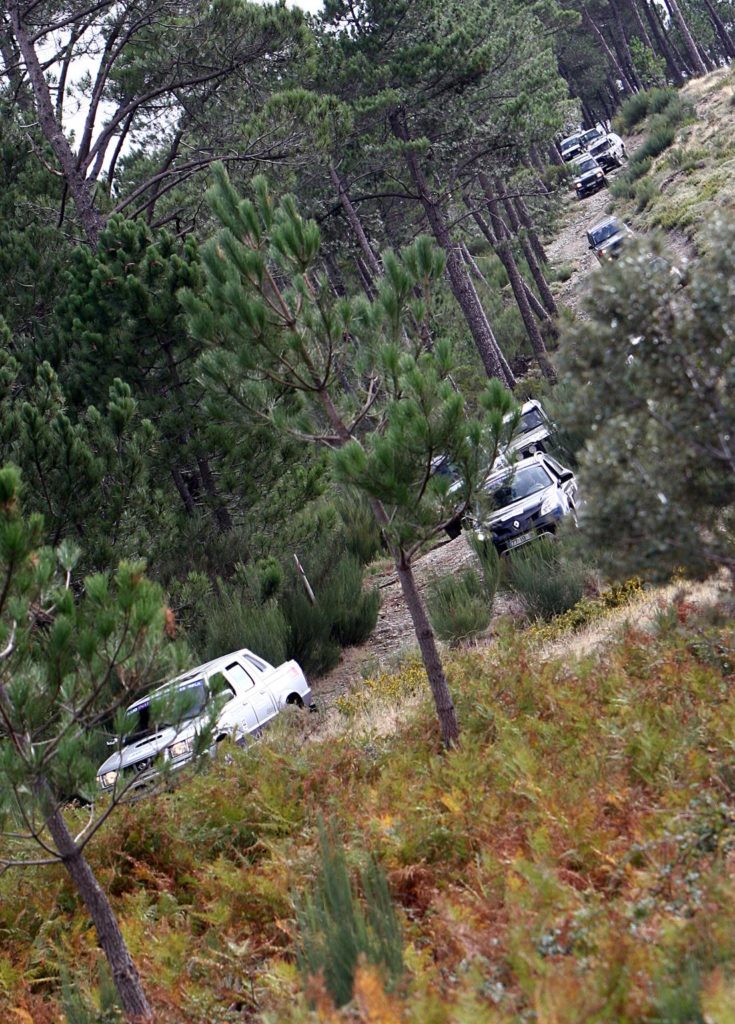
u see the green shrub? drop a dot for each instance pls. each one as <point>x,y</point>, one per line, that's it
<point>641,104</point>
<point>78,1009</point>
<point>353,610</point>
<point>310,639</point>
<point>336,931</point>
<point>490,566</point>
<point>548,582</point>
<point>362,536</point>
<point>232,624</point>
<point>645,193</point>
<point>458,606</point>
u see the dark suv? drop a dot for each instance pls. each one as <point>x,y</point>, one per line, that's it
<point>588,176</point>
<point>607,237</point>
<point>529,500</point>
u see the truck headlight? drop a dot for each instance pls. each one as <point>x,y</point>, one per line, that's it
<point>108,780</point>
<point>550,503</point>
<point>179,748</point>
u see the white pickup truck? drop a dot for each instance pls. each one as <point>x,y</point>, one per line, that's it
<point>235,695</point>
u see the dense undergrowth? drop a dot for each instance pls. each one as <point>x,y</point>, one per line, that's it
<point>573,860</point>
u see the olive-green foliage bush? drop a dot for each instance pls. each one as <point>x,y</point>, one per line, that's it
<point>78,1009</point>
<point>641,104</point>
<point>265,607</point>
<point>588,610</point>
<point>335,931</point>
<point>458,606</point>
<point>461,606</point>
<point>547,580</point>
<point>490,566</point>
<point>232,624</point>
<point>353,611</point>
<point>361,533</point>
<point>666,119</point>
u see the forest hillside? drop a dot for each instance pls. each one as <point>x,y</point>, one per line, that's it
<point>367,512</point>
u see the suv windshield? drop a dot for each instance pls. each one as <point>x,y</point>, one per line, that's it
<point>569,144</point>
<point>165,708</point>
<point>591,135</point>
<point>530,420</point>
<point>521,484</point>
<point>604,232</point>
<point>600,147</point>
<point>587,165</point>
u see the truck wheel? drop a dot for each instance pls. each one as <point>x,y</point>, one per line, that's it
<point>295,699</point>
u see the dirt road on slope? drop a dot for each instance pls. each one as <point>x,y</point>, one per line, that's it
<point>570,246</point>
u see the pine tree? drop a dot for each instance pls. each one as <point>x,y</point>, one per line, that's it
<point>281,347</point>
<point>66,667</point>
<point>441,89</point>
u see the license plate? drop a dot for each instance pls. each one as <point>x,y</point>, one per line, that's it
<point>516,542</point>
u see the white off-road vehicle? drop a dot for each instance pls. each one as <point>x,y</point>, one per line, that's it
<point>608,151</point>
<point>233,696</point>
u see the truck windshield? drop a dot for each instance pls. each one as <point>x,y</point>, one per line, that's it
<point>591,135</point>
<point>586,165</point>
<point>529,421</point>
<point>604,232</point>
<point>521,484</point>
<point>165,708</point>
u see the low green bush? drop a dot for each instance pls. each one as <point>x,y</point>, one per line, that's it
<point>335,931</point>
<point>641,104</point>
<point>459,607</point>
<point>645,193</point>
<point>353,610</point>
<point>232,624</point>
<point>545,578</point>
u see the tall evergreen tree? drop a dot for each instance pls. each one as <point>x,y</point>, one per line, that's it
<point>444,87</point>
<point>282,346</point>
<point>59,681</point>
<point>652,384</point>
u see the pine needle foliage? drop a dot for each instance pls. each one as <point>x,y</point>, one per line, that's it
<point>458,606</point>
<point>547,580</point>
<point>336,932</point>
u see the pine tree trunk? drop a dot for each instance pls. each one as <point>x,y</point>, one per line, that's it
<point>640,25</point>
<point>184,492</point>
<point>673,65</point>
<point>429,655</point>
<point>614,63</point>
<point>371,260</point>
<point>547,296</point>
<point>502,248</point>
<point>124,973</point>
<point>368,285</point>
<point>460,281</point>
<point>79,188</point>
<point>525,219</point>
<point>422,627</point>
<point>691,46</point>
<point>622,49</point>
<point>221,514</point>
<point>725,38</point>
<point>686,70</point>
